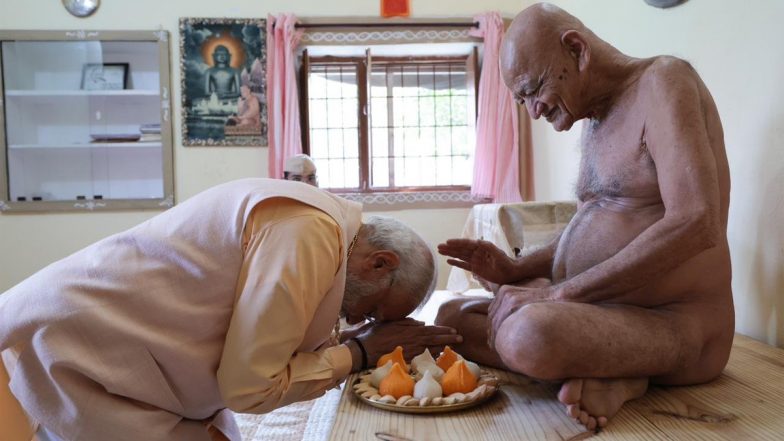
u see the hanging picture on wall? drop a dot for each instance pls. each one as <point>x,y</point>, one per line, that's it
<point>223,79</point>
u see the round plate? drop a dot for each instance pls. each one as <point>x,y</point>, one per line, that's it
<point>81,8</point>
<point>441,408</point>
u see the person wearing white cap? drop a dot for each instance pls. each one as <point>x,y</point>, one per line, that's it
<point>301,168</point>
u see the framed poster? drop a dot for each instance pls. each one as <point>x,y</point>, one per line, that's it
<point>104,76</point>
<point>223,64</point>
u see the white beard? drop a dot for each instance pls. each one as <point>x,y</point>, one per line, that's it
<point>357,288</point>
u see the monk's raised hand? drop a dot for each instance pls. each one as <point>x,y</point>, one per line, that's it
<point>480,257</point>
<point>413,336</point>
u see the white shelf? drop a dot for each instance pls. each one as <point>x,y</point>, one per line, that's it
<point>69,93</point>
<point>52,145</point>
<point>138,144</point>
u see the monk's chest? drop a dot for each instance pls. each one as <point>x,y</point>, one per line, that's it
<point>615,160</point>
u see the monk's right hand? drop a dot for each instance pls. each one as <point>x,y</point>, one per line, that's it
<point>412,335</point>
<point>480,257</point>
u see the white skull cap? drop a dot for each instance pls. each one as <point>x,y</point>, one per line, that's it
<point>300,165</point>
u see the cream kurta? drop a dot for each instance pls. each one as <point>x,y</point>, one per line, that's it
<point>147,333</point>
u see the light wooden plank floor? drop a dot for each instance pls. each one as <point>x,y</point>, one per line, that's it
<point>745,403</point>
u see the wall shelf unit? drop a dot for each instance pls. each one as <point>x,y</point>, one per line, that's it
<point>86,121</point>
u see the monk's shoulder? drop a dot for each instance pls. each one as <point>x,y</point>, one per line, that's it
<point>668,72</point>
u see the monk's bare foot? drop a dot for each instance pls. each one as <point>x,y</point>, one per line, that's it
<point>594,401</point>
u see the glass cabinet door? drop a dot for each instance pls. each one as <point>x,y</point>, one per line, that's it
<point>87,120</point>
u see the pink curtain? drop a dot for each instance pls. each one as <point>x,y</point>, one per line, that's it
<point>496,162</point>
<point>284,132</point>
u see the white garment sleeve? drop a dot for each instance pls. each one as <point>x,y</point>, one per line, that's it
<point>288,268</point>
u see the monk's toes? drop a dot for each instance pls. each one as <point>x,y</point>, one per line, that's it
<point>591,425</point>
<point>584,417</point>
<point>571,391</point>
<point>602,421</point>
<point>573,410</point>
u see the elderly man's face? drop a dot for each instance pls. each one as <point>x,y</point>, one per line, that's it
<point>539,80</point>
<point>374,300</point>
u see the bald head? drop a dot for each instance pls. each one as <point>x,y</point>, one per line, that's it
<point>535,36</point>
<point>544,62</point>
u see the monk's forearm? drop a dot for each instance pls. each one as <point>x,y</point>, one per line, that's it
<point>537,264</point>
<point>661,248</point>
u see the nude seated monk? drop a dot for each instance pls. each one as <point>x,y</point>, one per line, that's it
<point>636,289</point>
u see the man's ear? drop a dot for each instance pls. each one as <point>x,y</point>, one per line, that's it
<point>578,48</point>
<point>383,261</point>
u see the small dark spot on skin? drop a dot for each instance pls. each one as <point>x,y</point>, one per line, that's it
<point>564,70</point>
<point>560,77</point>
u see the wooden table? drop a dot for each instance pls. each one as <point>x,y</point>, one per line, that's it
<point>745,403</point>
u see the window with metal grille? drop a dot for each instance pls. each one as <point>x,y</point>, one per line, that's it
<point>380,124</point>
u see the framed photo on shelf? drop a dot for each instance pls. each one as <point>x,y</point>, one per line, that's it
<point>223,63</point>
<point>105,76</point>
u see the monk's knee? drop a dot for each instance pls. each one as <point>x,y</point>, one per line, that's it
<point>531,341</point>
<point>451,312</point>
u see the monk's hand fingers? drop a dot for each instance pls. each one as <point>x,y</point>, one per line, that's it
<point>460,264</point>
<point>496,303</point>
<point>505,304</point>
<point>456,247</point>
<point>490,334</point>
<point>456,253</point>
<point>491,322</point>
<point>461,243</point>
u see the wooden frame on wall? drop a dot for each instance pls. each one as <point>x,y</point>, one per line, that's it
<point>223,81</point>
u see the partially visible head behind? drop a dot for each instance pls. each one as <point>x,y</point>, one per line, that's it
<point>391,272</point>
<point>543,55</point>
<point>301,168</point>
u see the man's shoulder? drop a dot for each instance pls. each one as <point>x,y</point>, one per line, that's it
<point>667,78</point>
<point>670,70</point>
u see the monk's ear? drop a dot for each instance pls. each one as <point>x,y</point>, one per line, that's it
<point>384,261</point>
<point>577,46</point>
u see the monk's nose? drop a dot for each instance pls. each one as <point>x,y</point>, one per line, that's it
<point>539,110</point>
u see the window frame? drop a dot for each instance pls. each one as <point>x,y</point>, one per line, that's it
<point>363,67</point>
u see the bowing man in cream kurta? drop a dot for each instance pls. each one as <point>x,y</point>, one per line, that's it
<point>224,301</point>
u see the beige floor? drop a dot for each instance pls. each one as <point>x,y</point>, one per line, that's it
<point>744,403</point>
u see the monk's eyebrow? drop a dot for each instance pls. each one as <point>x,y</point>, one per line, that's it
<point>529,86</point>
<point>521,88</point>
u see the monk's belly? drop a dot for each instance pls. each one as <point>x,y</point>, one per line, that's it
<point>598,231</point>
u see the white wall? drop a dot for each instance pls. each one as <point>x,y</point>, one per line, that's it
<point>29,242</point>
<point>735,48</point>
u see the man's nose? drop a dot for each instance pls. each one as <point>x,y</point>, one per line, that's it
<point>530,106</point>
<point>539,109</point>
